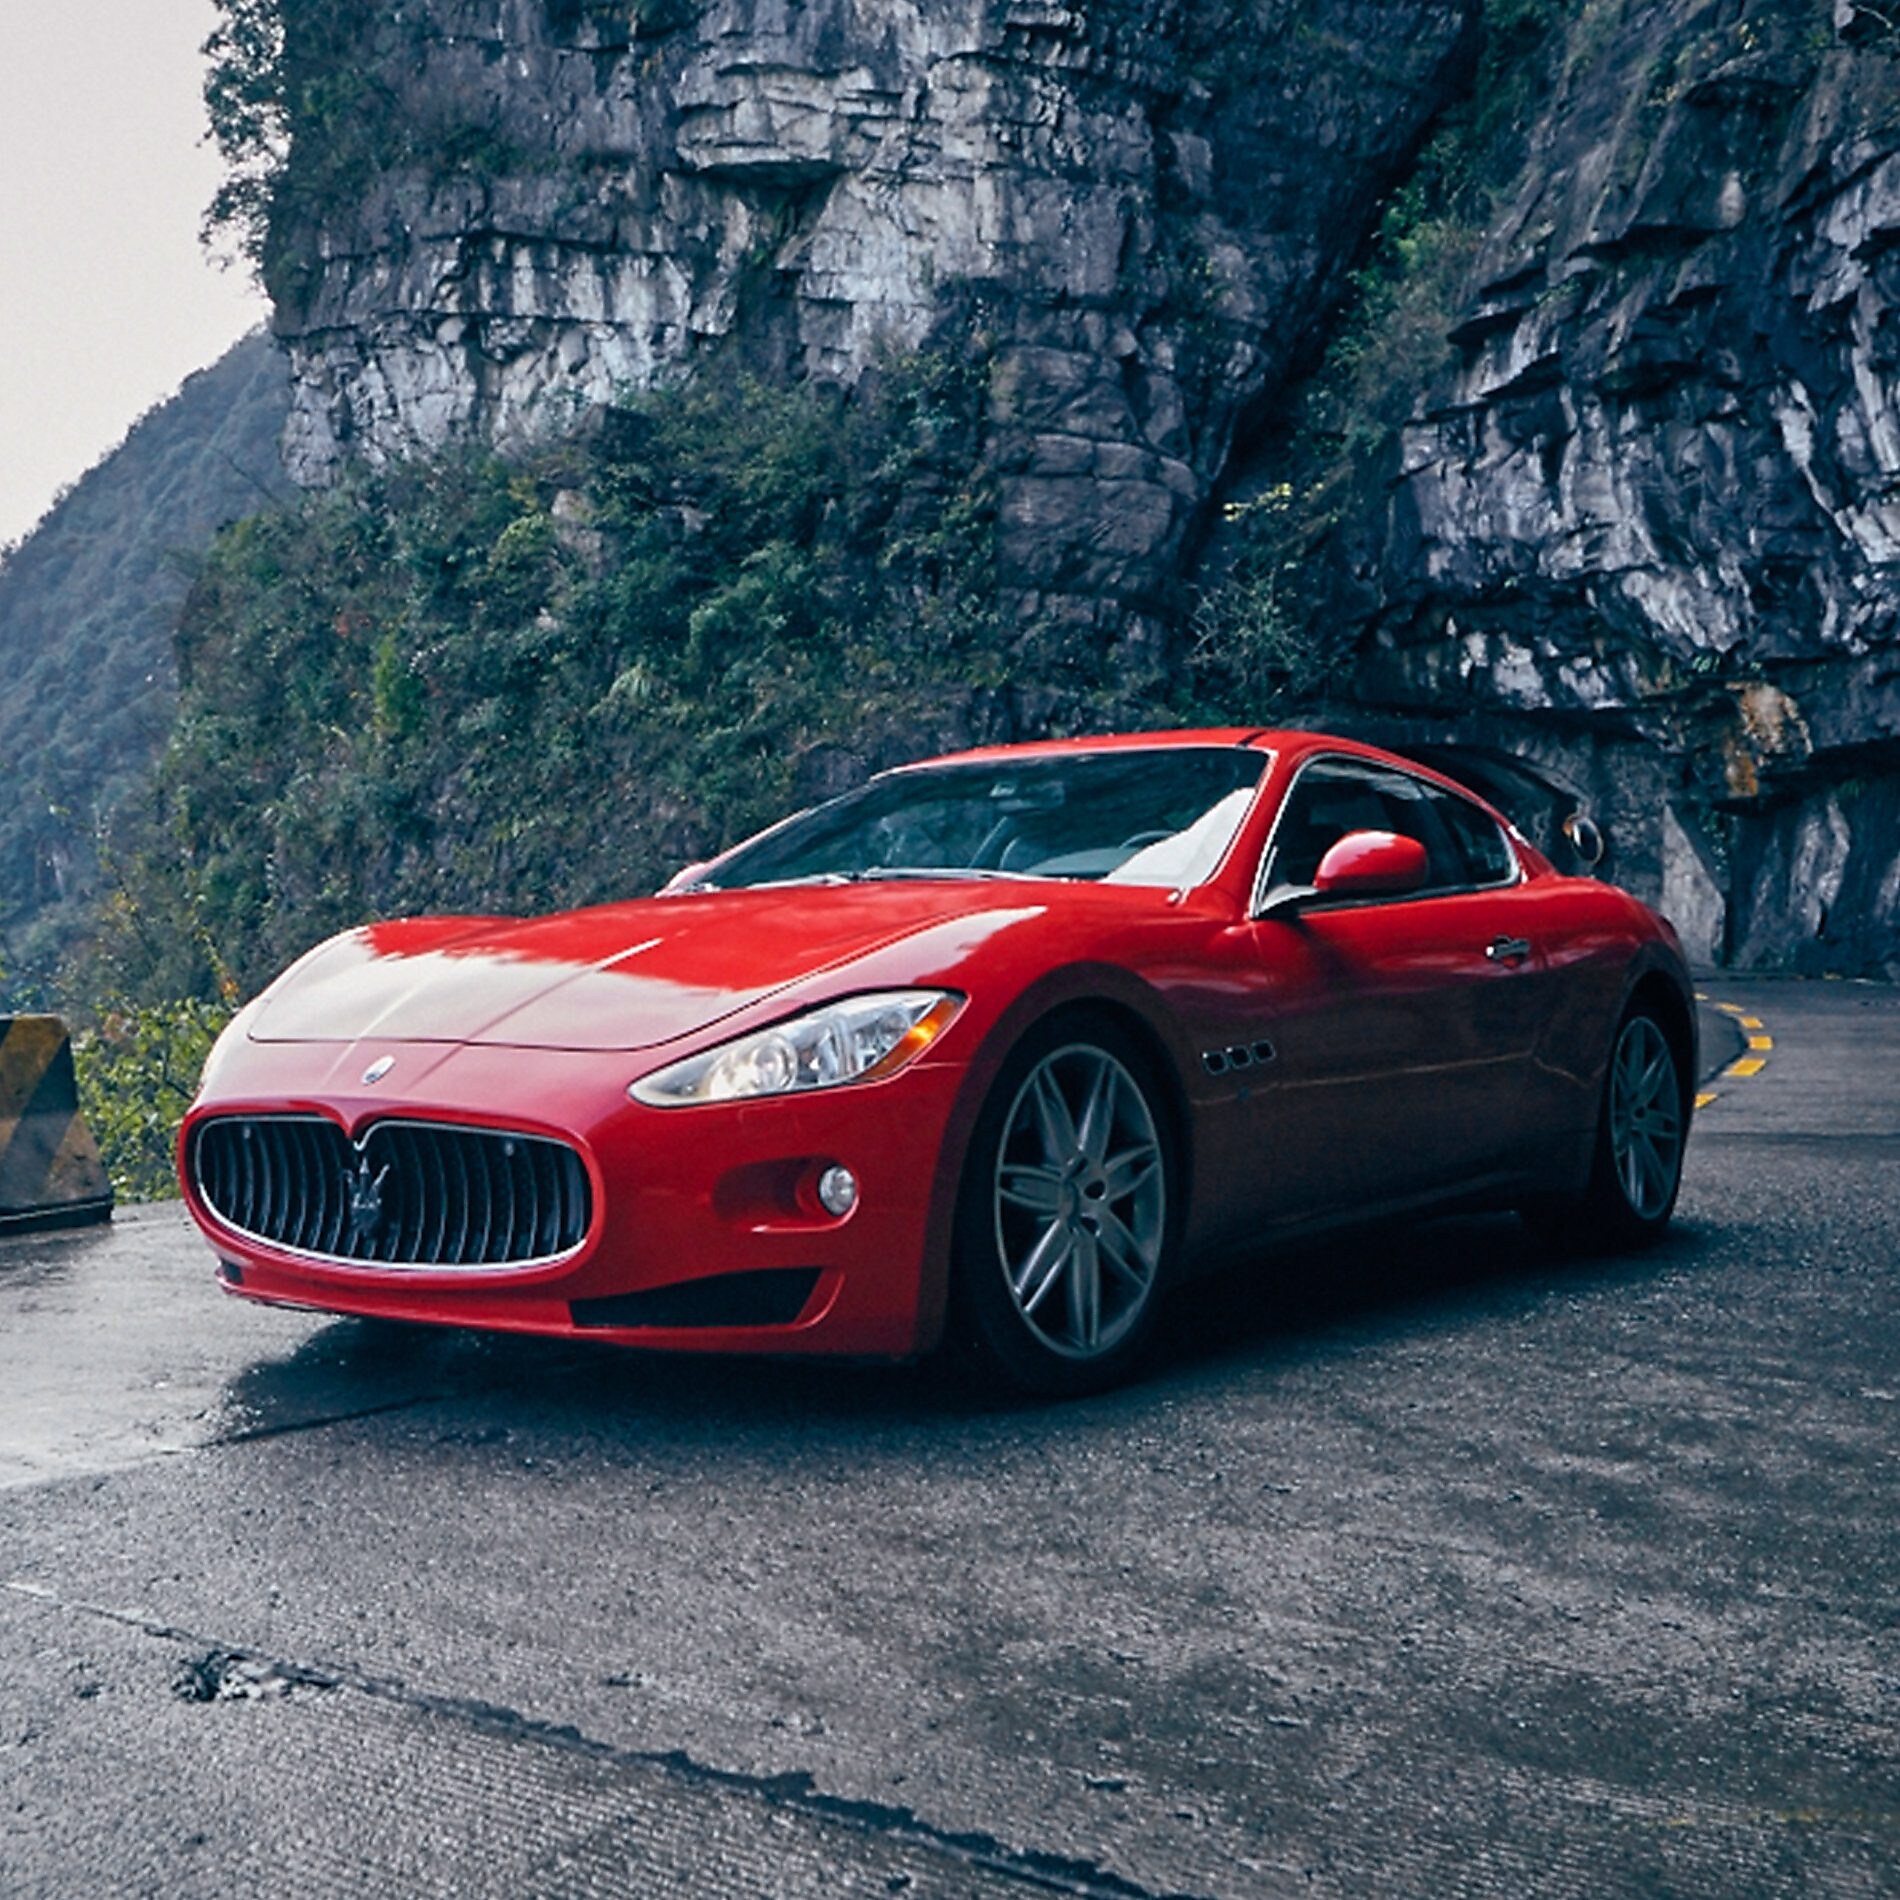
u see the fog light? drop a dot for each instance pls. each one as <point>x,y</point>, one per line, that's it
<point>838,1191</point>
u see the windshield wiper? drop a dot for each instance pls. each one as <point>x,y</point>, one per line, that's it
<point>893,873</point>
<point>701,885</point>
<point>876,874</point>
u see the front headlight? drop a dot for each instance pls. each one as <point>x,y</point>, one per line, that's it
<point>858,1039</point>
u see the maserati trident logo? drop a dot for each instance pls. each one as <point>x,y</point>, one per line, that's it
<point>366,1198</point>
<point>377,1070</point>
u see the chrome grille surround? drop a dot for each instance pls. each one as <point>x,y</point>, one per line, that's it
<point>407,1195</point>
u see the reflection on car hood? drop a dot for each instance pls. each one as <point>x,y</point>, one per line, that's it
<point>625,976</point>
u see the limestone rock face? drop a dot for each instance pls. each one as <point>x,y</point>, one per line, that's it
<point>1141,212</point>
<point>1647,529</point>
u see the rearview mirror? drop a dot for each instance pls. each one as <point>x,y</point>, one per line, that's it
<point>1371,864</point>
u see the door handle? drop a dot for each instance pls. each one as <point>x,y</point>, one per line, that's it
<point>1508,949</point>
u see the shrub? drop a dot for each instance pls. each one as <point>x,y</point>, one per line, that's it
<point>138,1070</point>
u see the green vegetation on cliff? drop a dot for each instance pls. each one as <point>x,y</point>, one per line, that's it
<point>483,685</point>
<point>295,117</point>
<point>303,117</point>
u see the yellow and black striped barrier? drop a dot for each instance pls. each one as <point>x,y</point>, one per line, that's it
<point>50,1171</point>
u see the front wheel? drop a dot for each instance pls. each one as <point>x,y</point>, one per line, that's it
<point>1065,1217</point>
<point>1637,1170</point>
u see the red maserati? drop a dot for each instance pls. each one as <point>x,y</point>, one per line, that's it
<point>1002,1046</point>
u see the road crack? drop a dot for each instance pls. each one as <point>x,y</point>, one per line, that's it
<point>220,1669</point>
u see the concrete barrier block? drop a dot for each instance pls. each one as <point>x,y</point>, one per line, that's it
<point>50,1171</point>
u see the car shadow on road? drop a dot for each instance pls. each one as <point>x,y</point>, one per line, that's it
<point>1244,1321</point>
<point>1389,1282</point>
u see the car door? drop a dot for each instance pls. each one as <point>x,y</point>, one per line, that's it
<point>1402,1027</point>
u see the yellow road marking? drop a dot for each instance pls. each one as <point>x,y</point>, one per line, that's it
<point>1743,1066</point>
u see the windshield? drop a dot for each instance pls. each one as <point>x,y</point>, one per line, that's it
<point>1161,816</point>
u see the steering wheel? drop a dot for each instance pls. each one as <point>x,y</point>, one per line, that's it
<point>1137,839</point>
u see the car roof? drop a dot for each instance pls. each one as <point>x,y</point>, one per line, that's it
<point>1102,742</point>
<point>1261,738</point>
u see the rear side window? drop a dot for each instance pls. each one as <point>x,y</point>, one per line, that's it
<point>1483,849</point>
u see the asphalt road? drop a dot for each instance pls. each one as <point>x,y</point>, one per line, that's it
<point>1418,1565</point>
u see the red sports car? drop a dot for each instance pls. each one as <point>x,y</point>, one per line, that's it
<point>1003,1045</point>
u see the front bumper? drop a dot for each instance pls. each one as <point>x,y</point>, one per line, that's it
<point>681,1197</point>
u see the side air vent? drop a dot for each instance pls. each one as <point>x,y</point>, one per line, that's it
<point>410,1194</point>
<point>1243,1055</point>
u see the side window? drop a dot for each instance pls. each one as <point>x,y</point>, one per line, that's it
<point>1334,796</point>
<point>1483,850</point>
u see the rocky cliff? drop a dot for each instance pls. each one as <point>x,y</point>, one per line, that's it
<point>1139,213</point>
<point>1631,548</point>
<point>1643,533</point>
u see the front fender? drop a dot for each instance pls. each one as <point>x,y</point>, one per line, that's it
<point>1070,986</point>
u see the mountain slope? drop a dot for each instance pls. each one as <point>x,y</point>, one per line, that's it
<point>88,603</point>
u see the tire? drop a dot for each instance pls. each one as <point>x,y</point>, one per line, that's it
<point>1067,1214</point>
<point>1636,1172</point>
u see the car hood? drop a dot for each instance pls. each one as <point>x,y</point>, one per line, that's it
<point>624,976</point>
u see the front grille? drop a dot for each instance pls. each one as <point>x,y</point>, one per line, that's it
<point>412,1194</point>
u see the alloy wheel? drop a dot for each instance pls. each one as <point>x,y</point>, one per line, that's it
<point>1645,1118</point>
<point>1081,1201</point>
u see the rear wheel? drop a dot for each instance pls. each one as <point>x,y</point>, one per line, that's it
<point>1065,1218</point>
<point>1637,1169</point>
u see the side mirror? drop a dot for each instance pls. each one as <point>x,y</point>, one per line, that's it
<point>1372,864</point>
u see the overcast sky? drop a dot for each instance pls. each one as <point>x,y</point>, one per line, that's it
<point>107,302</point>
